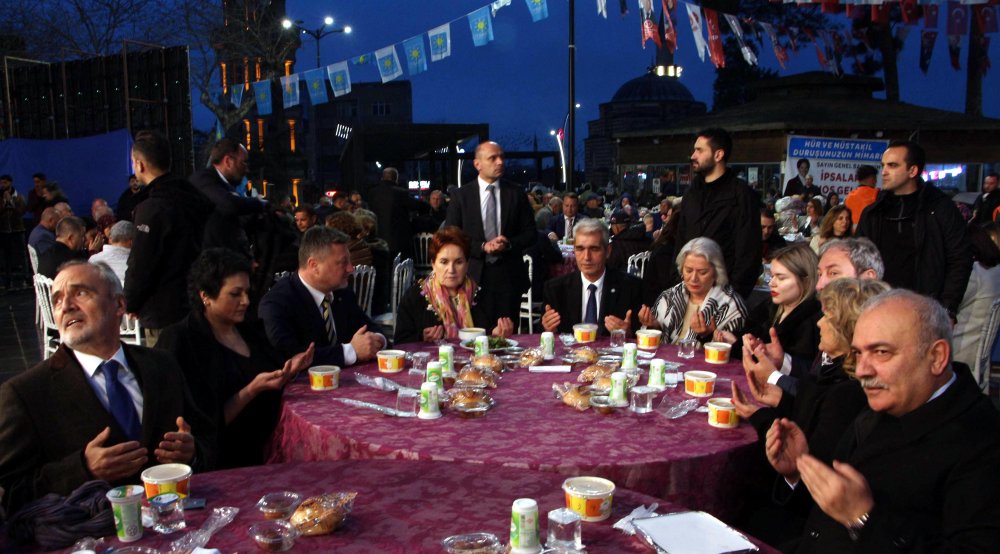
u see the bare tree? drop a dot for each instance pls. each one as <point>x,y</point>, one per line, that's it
<point>238,33</point>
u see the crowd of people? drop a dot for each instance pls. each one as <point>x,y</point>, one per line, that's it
<point>857,323</point>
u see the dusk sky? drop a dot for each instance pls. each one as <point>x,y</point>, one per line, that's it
<point>517,83</point>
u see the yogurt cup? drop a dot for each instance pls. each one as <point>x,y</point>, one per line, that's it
<point>470,333</point>
<point>717,352</point>
<point>167,478</point>
<point>585,332</point>
<point>391,361</point>
<point>590,497</point>
<point>699,383</point>
<point>648,339</point>
<point>126,504</point>
<point>722,413</point>
<point>324,377</point>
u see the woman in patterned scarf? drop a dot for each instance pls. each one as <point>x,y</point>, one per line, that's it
<point>444,302</point>
<point>703,302</point>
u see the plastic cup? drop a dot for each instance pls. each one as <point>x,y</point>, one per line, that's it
<point>324,377</point>
<point>585,332</point>
<point>407,402</point>
<point>617,338</point>
<point>589,496</point>
<point>686,348</point>
<point>699,383</point>
<point>126,502</point>
<point>391,361</point>
<point>167,478</point>
<point>722,413</point>
<point>717,352</point>
<point>648,339</point>
<point>467,334</point>
<point>641,399</point>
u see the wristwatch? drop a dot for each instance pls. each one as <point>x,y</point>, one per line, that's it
<point>854,527</point>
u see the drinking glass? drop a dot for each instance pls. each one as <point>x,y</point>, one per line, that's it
<point>687,348</point>
<point>564,533</point>
<point>407,402</point>
<point>617,338</point>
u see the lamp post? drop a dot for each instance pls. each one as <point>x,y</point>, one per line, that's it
<point>562,153</point>
<point>318,33</point>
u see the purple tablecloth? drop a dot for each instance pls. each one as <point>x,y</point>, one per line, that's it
<point>684,461</point>
<point>568,264</point>
<point>400,507</point>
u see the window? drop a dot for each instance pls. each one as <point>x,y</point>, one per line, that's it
<point>381,108</point>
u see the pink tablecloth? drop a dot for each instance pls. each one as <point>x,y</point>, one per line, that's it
<point>400,507</point>
<point>684,461</point>
<point>568,264</point>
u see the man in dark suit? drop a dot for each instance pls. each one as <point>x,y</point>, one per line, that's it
<point>314,305</point>
<point>614,298</point>
<point>987,202</point>
<point>392,207</point>
<point>224,229</point>
<point>70,245</point>
<point>918,470</point>
<point>97,409</point>
<point>560,224</point>
<point>500,224</point>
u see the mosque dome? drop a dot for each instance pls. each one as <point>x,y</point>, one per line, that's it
<point>653,88</point>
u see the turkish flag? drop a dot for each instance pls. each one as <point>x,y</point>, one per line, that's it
<point>714,37</point>
<point>987,16</point>
<point>958,19</point>
<point>909,11</point>
<point>927,39</point>
<point>931,16</point>
<point>669,32</point>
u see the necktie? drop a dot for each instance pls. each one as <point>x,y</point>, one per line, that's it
<point>119,401</point>
<point>591,315</point>
<point>569,228</point>
<point>331,331</point>
<point>490,220</point>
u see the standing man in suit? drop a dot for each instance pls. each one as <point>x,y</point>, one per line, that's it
<point>315,305</point>
<point>987,202</point>
<point>97,409</point>
<point>594,293</point>
<point>500,224</point>
<point>561,226</point>
<point>392,207</point>
<point>218,182</point>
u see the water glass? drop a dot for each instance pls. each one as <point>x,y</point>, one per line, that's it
<point>407,402</point>
<point>687,348</point>
<point>415,377</point>
<point>641,399</point>
<point>420,360</point>
<point>617,338</point>
<point>672,377</point>
<point>564,532</point>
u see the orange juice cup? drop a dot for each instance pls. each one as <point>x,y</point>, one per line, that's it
<point>717,352</point>
<point>699,383</point>
<point>585,332</point>
<point>590,497</point>
<point>391,361</point>
<point>648,339</point>
<point>722,413</point>
<point>167,478</point>
<point>324,377</point>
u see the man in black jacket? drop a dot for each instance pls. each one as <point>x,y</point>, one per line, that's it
<point>917,471</point>
<point>170,225</point>
<point>392,207</point>
<point>918,230</point>
<point>130,199</point>
<point>224,228</point>
<point>722,208</point>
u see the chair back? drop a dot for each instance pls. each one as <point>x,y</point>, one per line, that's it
<point>637,264</point>
<point>33,258</point>
<point>526,311</point>
<point>402,279</point>
<point>362,281</point>
<point>130,330</point>
<point>986,339</point>
<point>421,256</point>
<point>49,334</point>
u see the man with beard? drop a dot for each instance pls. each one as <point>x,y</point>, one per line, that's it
<point>721,207</point>
<point>224,228</point>
<point>132,197</point>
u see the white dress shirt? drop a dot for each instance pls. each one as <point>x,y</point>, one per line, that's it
<point>350,355</point>
<point>95,378</point>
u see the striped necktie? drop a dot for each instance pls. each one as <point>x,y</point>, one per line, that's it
<point>331,331</point>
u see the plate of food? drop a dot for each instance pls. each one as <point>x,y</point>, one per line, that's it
<point>497,344</point>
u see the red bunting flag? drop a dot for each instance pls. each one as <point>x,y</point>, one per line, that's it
<point>829,6</point>
<point>931,16</point>
<point>714,37</point>
<point>927,39</point>
<point>958,18</point>
<point>987,17</point>
<point>649,30</point>
<point>880,14</point>
<point>669,32</point>
<point>779,50</point>
<point>955,51</point>
<point>909,12</point>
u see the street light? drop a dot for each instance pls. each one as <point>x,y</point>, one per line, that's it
<point>318,33</point>
<point>562,154</point>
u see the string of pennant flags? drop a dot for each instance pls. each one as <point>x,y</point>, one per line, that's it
<point>705,28</point>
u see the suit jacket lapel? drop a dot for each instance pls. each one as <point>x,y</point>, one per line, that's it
<point>137,360</point>
<point>315,318</point>
<point>609,296</point>
<point>507,201</point>
<point>72,392</point>
<point>575,302</point>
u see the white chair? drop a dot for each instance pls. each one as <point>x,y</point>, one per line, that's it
<point>421,257</point>
<point>402,279</point>
<point>130,330</point>
<point>989,334</point>
<point>363,284</point>
<point>33,257</point>
<point>637,264</point>
<point>527,308</point>
<point>48,332</point>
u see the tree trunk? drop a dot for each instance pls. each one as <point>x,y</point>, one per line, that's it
<point>974,70</point>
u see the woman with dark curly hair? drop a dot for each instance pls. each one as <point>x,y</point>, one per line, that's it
<point>444,302</point>
<point>234,375</point>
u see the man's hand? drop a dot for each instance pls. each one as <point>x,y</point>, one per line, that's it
<point>744,408</point>
<point>114,462</point>
<point>433,334</point>
<point>550,319</point>
<point>757,375</point>
<point>504,328</point>
<point>553,236</point>
<point>724,336</point>
<point>176,446</point>
<point>497,245</point>
<point>840,491</point>
<point>366,344</point>
<point>646,317</point>
<point>613,323</point>
<point>785,443</point>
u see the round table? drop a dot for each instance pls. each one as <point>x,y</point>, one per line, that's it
<point>400,507</point>
<point>684,460</point>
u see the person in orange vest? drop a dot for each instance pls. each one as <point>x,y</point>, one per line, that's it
<point>863,196</point>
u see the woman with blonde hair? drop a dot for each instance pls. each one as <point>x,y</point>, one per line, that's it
<point>794,309</point>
